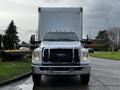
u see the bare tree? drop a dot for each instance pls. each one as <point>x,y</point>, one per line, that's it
<point>114,36</point>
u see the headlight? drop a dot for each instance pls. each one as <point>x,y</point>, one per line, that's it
<point>85,56</point>
<point>36,57</point>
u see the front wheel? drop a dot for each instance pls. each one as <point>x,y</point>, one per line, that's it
<point>85,78</point>
<point>36,78</point>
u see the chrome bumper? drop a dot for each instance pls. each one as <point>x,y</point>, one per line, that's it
<point>61,70</point>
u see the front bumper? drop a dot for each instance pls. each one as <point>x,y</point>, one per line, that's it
<point>61,70</point>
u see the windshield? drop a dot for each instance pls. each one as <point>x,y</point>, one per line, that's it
<point>60,36</point>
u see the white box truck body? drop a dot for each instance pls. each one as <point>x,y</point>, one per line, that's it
<point>60,20</point>
<point>60,51</point>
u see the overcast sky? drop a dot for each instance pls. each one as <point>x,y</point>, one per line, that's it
<point>98,14</point>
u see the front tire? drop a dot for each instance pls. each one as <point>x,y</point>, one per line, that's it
<point>36,79</point>
<point>85,78</point>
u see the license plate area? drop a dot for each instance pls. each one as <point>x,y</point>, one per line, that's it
<point>61,69</point>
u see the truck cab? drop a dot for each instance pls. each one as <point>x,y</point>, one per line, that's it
<point>60,52</point>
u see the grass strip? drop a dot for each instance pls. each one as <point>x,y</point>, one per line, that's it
<point>107,55</point>
<point>12,69</point>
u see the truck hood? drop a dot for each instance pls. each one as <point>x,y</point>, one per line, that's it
<point>65,44</point>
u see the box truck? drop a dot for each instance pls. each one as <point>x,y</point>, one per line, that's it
<point>60,51</point>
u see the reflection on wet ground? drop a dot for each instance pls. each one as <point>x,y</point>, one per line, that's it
<point>61,83</point>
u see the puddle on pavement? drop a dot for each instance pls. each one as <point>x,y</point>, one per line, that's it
<point>25,87</point>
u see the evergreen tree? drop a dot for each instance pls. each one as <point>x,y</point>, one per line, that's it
<point>10,38</point>
<point>102,34</point>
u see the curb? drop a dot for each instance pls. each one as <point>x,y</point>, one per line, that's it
<point>15,79</point>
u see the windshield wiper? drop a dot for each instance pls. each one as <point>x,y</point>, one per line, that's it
<point>59,40</point>
<point>65,40</point>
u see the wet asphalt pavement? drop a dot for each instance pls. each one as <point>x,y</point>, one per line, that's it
<point>105,75</point>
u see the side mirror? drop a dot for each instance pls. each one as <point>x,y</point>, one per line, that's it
<point>86,41</point>
<point>32,40</point>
